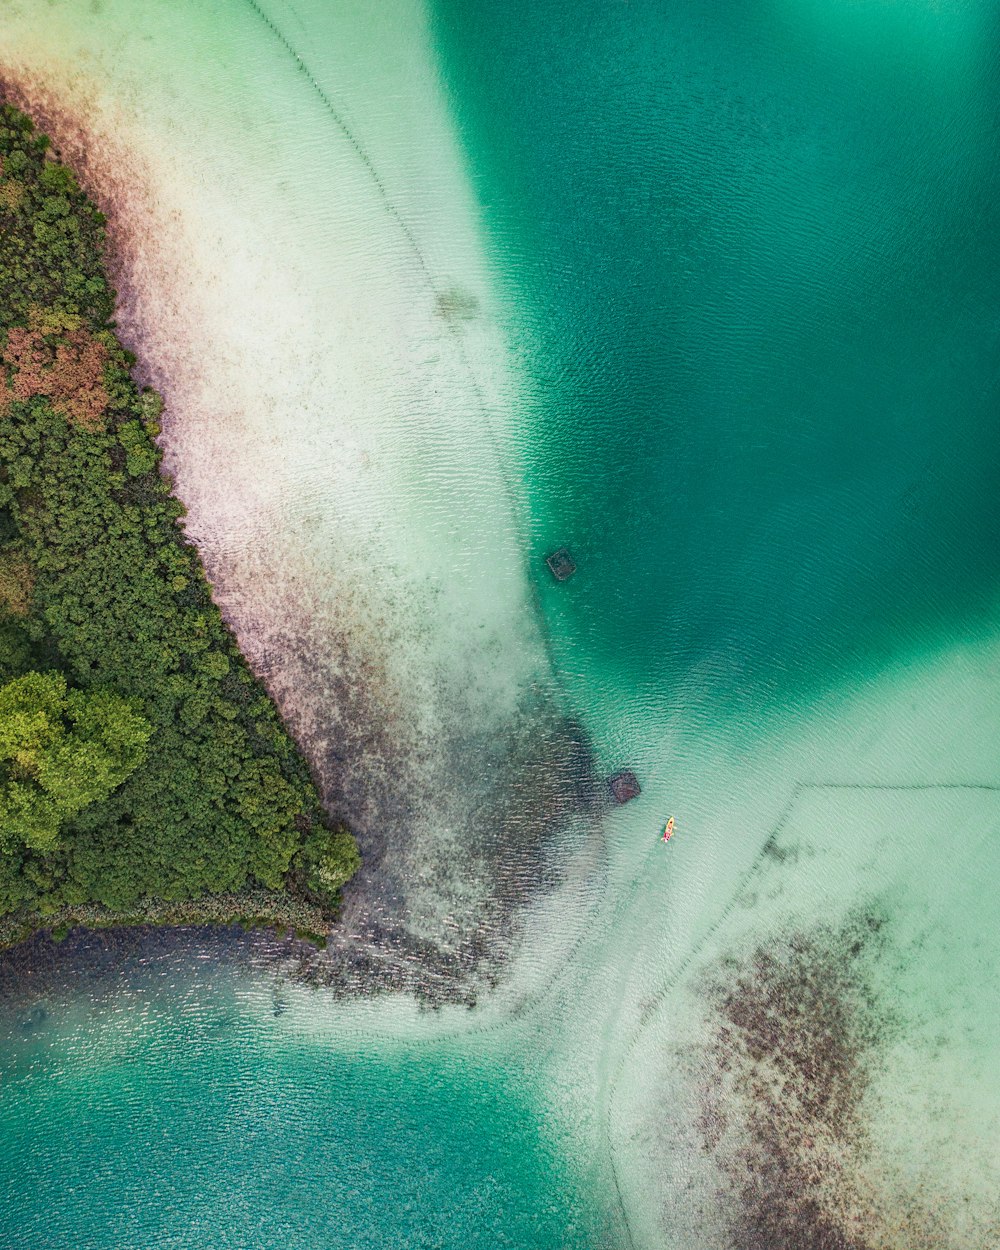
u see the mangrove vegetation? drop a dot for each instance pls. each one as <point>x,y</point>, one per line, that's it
<point>141,762</point>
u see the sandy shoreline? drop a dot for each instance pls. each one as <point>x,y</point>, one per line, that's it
<point>434,732</point>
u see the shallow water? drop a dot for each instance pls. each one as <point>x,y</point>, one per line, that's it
<point>708,294</point>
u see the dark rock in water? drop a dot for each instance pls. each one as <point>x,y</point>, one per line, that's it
<point>562,564</point>
<point>625,786</point>
<point>33,1018</point>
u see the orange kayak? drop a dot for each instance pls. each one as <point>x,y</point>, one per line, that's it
<point>668,830</point>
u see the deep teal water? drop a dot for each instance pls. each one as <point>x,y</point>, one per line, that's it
<point>756,256</point>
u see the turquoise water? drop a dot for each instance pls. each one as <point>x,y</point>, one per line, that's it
<point>709,294</point>
<point>194,1116</point>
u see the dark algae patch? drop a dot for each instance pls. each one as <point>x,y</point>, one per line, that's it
<point>142,766</point>
<point>799,1030</point>
<point>796,1029</point>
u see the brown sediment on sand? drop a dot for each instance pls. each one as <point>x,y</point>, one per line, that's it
<point>798,1034</point>
<point>433,914</point>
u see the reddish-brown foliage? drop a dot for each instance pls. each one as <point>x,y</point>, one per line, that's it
<point>17,582</point>
<point>57,357</point>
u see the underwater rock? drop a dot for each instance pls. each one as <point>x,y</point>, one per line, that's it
<point>624,786</point>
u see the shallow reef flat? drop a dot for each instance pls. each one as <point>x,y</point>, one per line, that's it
<point>812,1065</point>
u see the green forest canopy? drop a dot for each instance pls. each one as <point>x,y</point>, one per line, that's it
<point>139,757</point>
<point>60,750</point>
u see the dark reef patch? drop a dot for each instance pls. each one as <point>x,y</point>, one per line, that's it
<point>798,1032</point>
<point>457,834</point>
<point>798,1027</point>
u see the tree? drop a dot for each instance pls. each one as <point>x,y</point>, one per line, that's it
<point>60,750</point>
<point>328,860</point>
<point>99,583</point>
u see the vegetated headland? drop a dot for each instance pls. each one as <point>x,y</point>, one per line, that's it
<point>145,775</point>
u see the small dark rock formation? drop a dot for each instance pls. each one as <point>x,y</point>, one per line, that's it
<point>562,564</point>
<point>624,786</point>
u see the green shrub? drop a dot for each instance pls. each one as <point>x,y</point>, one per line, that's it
<point>60,750</point>
<point>327,861</point>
